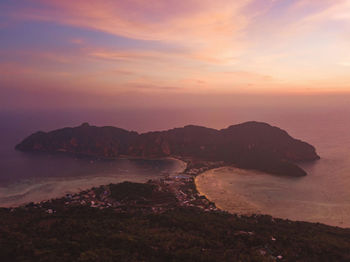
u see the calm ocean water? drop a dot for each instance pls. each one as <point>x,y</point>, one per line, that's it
<point>27,177</point>
<point>322,196</point>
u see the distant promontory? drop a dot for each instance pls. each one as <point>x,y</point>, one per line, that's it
<point>250,145</point>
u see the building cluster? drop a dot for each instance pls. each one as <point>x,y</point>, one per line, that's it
<point>171,191</point>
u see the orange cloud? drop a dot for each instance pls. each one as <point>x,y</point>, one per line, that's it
<point>221,46</point>
<point>210,29</point>
<point>148,20</point>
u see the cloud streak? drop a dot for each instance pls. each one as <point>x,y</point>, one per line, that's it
<point>210,29</point>
<point>194,46</point>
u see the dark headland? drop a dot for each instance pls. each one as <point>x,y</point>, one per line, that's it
<point>251,145</point>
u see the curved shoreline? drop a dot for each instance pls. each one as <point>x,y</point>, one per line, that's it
<point>16,195</point>
<point>215,192</point>
<point>186,186</point>
<point>228,195</point>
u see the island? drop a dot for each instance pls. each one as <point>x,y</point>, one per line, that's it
<point>166,219</point>
<point>250,145</point>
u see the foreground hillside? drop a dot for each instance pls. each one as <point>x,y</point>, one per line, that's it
<point>250,145</point>
<point>57,231</point>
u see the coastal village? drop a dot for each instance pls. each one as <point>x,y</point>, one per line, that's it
<point>166,193</point>
<point>170,193</point>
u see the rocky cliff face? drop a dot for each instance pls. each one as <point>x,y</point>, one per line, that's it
<point>251,145</point>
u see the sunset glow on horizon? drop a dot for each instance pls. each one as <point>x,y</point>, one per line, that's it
<point>111,48</point>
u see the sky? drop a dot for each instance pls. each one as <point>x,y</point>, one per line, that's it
<point>136,53</point>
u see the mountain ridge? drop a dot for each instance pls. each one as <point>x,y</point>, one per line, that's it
<point>250,145</point>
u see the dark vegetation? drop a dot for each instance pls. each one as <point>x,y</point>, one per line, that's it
<point>142,194</point>
<point>54,231</point>
<point>89,234</point>
<point>250,145</point>
<point>128,190</point>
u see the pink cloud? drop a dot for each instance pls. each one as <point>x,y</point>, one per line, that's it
<point>222,45</point>
<point>208,28</point>
<point>150,20</point>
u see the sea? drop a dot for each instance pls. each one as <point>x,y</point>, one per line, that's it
<point>34,177</point>
<point>322,196</point>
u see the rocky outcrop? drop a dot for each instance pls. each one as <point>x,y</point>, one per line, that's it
<point>251,145</point>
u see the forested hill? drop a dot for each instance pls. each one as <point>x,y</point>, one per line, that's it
<point>251,145</point>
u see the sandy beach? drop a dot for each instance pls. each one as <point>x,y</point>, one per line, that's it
<point>214,189</point>
<point>249,192</point>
